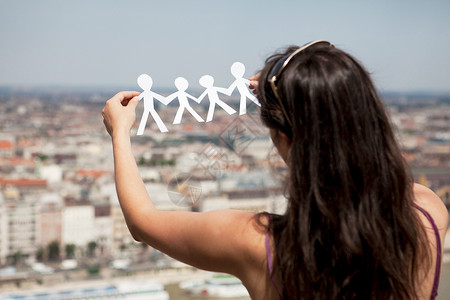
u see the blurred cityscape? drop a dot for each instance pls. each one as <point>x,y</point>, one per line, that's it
<point>60,220</point>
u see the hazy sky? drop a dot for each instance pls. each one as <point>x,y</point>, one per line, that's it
<point>405,44</point>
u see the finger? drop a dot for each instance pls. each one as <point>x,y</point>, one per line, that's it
<point>255,77</point>
<point>124,95</point>
<point>253,84</point>
<point>133,103</point>
<point>127,96</point>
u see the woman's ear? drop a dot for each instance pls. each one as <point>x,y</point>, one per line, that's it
<point>285,138</point>
<point>281,142</point>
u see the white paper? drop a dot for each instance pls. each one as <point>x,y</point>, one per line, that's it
<point>240,84</point>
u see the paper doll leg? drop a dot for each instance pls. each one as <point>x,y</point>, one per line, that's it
<point>178,116</point>
<point>253,98</point>
<point>158,121</point>
<point>193,113</point>
<point>243,105</point>
<point>209,117</point>
<point>143,122</point>
<point>226,107</point>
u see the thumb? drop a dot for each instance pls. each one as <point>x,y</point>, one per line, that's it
<point>133,102</point>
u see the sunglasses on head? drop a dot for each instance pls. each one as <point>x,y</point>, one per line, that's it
<point>280,66</point>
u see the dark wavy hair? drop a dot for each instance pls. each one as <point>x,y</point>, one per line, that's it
<point>350,230</point>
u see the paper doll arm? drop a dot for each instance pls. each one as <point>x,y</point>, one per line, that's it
<point>141,95</point>
<point>160,98</point>
<point>230,89</point>
<point>170,98</point>
<point>246,81</point>
<point>223,91</point>
<point>200,98</point>
<point>193,98</point>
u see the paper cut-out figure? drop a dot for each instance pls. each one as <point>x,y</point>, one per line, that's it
<point>238,70</point>
<point>207,81</point>
<point>182,85</point>
<point>145,82</point>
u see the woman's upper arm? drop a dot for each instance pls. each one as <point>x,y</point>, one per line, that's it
<point>219,241</point>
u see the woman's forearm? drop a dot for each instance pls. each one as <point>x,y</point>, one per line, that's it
<point>133,197</point>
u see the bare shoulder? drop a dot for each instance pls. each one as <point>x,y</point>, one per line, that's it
<point>428,200</point>
<point>251,232</point>
<point>245,230</point>
<point>233,219</point>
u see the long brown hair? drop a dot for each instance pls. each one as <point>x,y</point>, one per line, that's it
<point>350,230</point>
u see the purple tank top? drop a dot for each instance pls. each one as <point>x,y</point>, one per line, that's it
<point>437,272</point>
<point>269,260</point>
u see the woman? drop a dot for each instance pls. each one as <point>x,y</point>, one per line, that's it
<point>356,226</point>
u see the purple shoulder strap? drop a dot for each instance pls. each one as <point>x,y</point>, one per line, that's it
<point>437,272</point>
<point>269,258</point>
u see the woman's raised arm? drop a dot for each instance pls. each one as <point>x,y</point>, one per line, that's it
<point>222,241</point>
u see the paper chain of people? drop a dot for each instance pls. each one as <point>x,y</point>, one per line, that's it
<point>237,70</point>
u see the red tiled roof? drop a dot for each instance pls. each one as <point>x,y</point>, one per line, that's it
<point>92,173</point>
<point>4,144</point>
<point>25,143</point>
<point>23,182</point>
<point>21,161</point>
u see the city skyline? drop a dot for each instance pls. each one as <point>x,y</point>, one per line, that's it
<point>110,43</point>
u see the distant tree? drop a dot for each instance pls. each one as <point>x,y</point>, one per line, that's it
<point>40,254</point>
<point>53,251</point>
<point>17,258</point>
<point>70,251</point>
<point>42,157</point>
<point>93,270</point>
<point>142,161</point>
<point>91,248</point>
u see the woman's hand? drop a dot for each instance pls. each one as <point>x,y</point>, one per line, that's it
<point>119,113</point>
<point>254,83</point>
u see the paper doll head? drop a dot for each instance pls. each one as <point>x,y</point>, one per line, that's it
<point>238,69</point>
<point>145,82</point>
<point>181,84</point>
<point>206,81</point>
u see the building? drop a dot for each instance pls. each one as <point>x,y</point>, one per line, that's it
<point>121,235</point>
<point>77,223</point>
<point>51,219</point>
<point>103,224</point>
<point>25,185</point>
<point>4,231</point>
<point>23,228</point>
<point>6,148</point>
